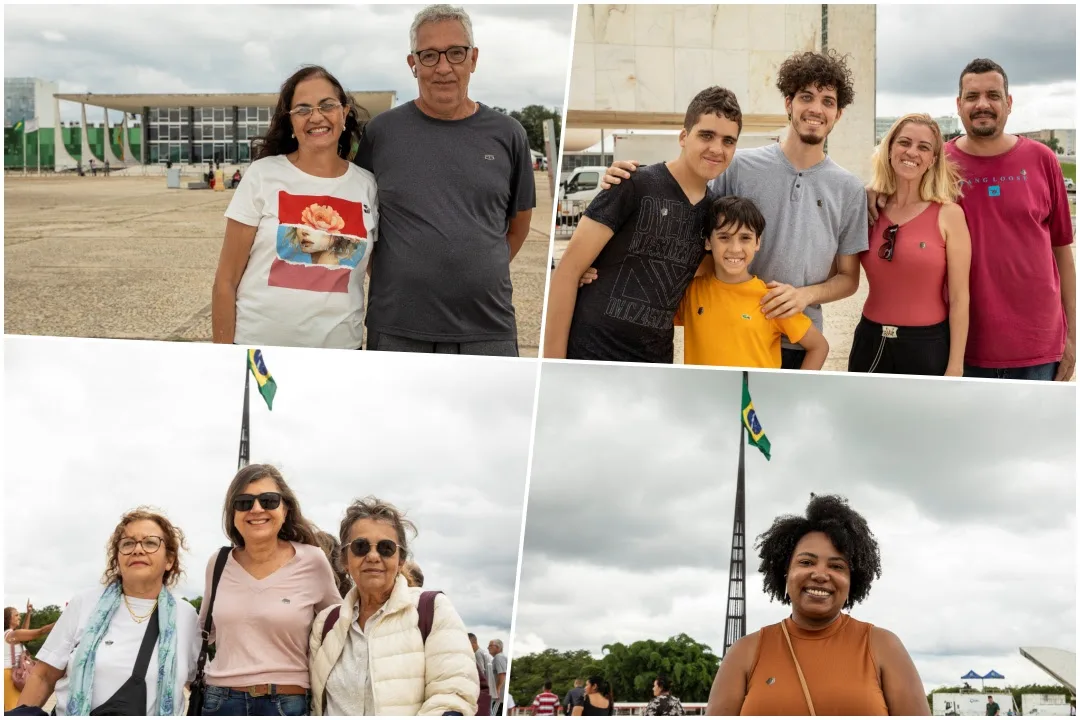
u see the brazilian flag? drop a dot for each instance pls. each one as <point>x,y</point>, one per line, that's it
<point>755,435</point>
<point>265,381</point>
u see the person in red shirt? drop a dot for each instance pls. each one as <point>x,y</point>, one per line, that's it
<point>1023,276</point>
<point>546,703</point>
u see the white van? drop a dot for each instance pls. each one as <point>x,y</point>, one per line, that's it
<point>578,190</point>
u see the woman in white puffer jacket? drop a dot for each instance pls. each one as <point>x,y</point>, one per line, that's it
<point>368,656</point>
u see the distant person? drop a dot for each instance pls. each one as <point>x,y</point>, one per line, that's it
<point>236,178</point>
<point>17,660</point>
<point>597,698</point>
<point>273,557</point>
<point>90,657</point>
<point>646,238</point>
<point>992,708</point>
<point>663,702</point>
<point>820,564</point>
<point>499,665</point>
<point>413,574</point>
<point>546,702</point>
<point>106,168</point>
<point>487,681</point>
<point>93,168</point>
<point>388,649</point>
<point>1023,274</point>
<point>440,277</point>
<point>300,227</point>
<point>915,319</point>
<point>573,696</point>
<point>720,311</point>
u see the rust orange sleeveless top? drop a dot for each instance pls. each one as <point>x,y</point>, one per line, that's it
<point>836,661</point>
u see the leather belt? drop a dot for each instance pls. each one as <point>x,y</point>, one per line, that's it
<point>271,689</point>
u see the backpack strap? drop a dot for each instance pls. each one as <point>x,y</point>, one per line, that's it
<point>330,621</point>
<point>208,626</point>
<point>426,609</point>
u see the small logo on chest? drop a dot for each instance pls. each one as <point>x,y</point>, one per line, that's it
<point>770,681</point>
<point>744,316</point>
<point>819,203</point>
<point>489,157</point>
<point>701,311</point>
<point>285,601</point>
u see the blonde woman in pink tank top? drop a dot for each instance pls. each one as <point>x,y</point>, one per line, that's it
<point>915,320</point>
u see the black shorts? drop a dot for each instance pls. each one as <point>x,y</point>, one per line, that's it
<point>900,350</point>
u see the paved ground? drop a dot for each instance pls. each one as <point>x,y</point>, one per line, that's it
<point>124,257</point>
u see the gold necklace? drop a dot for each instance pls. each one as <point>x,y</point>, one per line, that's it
<point>139,619</point>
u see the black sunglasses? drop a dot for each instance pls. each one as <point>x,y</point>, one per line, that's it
<point>885,252</point>
<point>267,501</point>
<point>360,547</point>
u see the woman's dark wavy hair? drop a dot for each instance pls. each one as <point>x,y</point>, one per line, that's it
<point>845,528</point>
<point>603,687</point>
<point>279,140</point>
<point>295,528</point>
<point>820,69</point>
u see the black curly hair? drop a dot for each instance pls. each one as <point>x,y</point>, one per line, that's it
<point>820,69</point>
<point>845,528</point>
<point>279,140</point>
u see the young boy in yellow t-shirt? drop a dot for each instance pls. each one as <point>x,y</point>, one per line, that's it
<point>721,312</point>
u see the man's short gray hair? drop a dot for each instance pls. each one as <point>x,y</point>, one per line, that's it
<point>498,644</point>
<point>439,13</point>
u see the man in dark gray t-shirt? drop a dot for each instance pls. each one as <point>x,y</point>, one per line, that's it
<point>456,194</point>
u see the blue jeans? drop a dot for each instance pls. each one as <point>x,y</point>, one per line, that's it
<point>1035,372</point>
<point>226,701</point>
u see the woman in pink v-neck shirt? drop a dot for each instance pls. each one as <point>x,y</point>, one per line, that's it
<point>275,580</point>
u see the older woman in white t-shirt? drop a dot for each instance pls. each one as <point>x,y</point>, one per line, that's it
<point>91,653</point>
<point>275,579</point>
<point>14,650</point>
<point>300,227</point>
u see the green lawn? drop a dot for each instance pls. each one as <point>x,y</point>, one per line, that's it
<point>1069,170</point>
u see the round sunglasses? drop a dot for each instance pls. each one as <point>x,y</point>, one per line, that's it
<point>267,501</point>
<point>360,547</point>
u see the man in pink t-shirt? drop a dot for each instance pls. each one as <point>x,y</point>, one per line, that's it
<point>1023,277</point>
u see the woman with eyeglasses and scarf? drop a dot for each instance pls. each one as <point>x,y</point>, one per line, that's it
<point>818,661</point>
<point>130,648</point>
<point>275,579</point>
<point>369,656</point>
<point>915,320</point>
<point>300,227</point>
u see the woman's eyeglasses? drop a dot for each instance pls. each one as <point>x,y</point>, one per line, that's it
<point>454,55</point>
<point>324,108</point>
<point>360,547</point>
<point>885,252</point>
<point>267,501</point>
<point>150,544</point>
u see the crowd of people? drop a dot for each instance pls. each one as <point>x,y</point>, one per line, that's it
<point>301,622</point>
<point>594,696</point>
<point>966,245</point>
<point>311,220</point>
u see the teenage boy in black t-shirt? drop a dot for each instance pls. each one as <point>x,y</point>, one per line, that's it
<point>646,237</point>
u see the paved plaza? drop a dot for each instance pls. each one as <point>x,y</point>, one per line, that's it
<point>125,257</point>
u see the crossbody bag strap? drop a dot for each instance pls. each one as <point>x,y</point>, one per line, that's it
<point>219,568</point>
<point>798,668</point>
<point>149,642</point>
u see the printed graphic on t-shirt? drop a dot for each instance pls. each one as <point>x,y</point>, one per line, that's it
<point>320,239</point>
<point>659,264</point>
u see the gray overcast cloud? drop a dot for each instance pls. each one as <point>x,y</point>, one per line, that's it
<point>923,48</point>
<point>253,48</point>
<point>969,488</point>
<point>98,427</point>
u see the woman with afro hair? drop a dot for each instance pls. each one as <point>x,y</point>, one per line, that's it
<point>818,661</point>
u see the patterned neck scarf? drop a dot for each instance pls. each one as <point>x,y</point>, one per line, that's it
<point>81,671</point>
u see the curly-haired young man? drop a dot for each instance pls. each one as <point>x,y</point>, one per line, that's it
<point>813,206</point>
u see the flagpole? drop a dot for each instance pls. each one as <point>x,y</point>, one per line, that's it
<point>245,449</point>
<point>735,622</point>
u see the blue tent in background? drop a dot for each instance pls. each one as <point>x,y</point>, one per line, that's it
<point>971,675</point>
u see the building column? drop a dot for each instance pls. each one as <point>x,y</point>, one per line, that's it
<point>236,135</point>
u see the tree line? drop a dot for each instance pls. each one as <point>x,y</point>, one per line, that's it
<point>532,118</point>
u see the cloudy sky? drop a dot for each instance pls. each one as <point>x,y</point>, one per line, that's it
<point>923,48</point>
<point>253,48</point>
<point>95,428</point>
<point>968,486</point>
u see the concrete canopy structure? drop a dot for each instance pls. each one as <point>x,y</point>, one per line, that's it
<point>1059,664</point>
<point>191,127</point>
